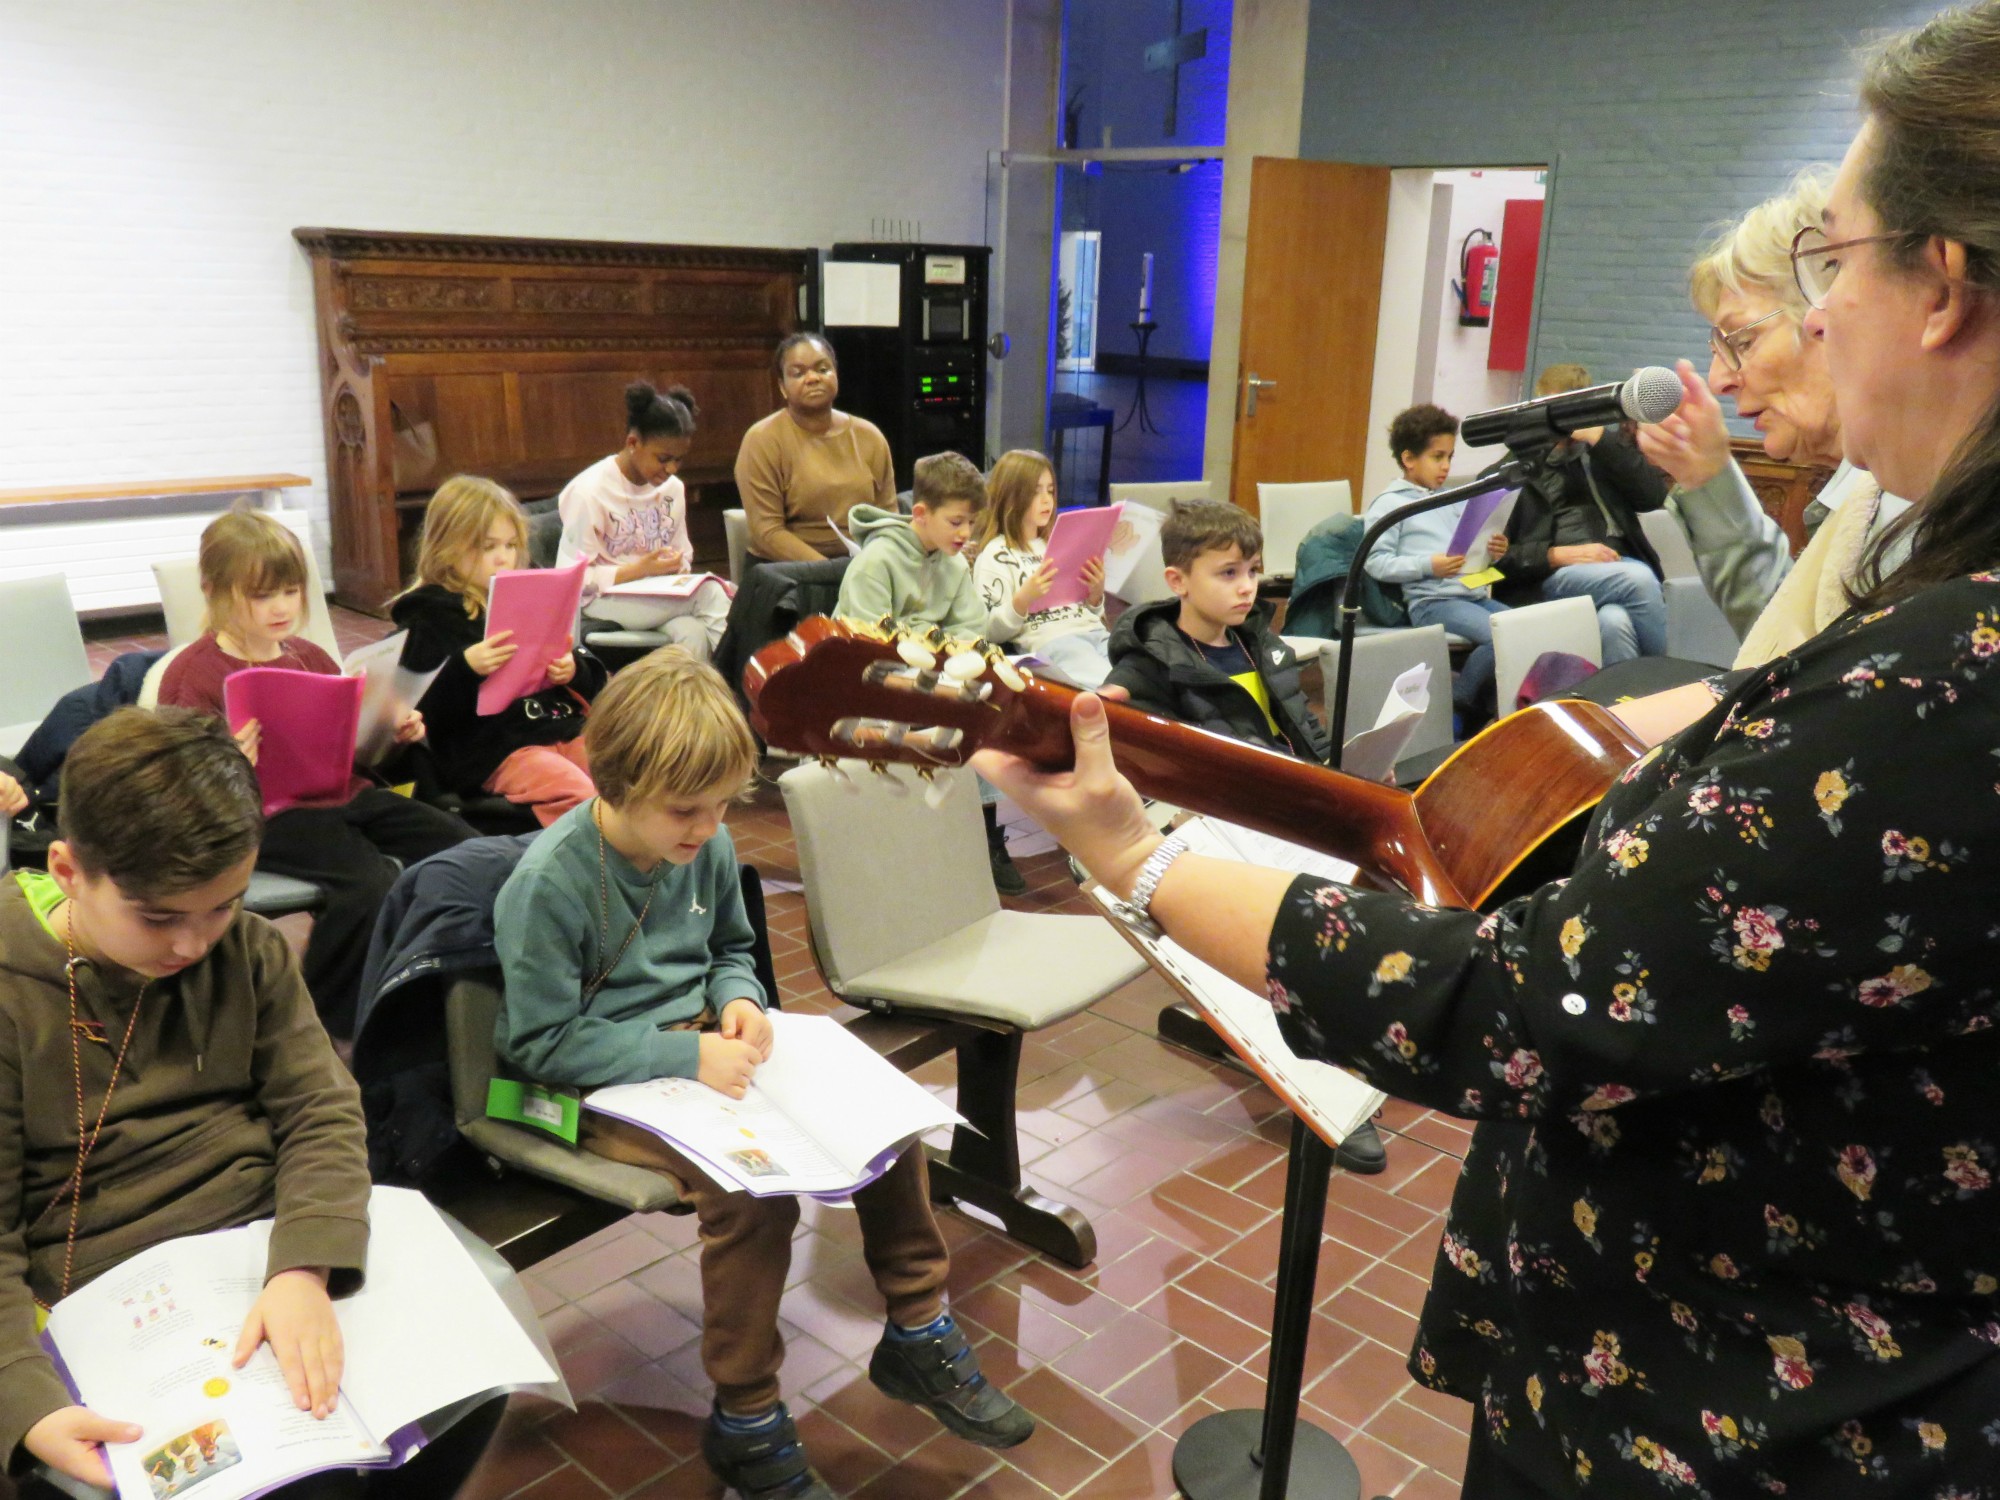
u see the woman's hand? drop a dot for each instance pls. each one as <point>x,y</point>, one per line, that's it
<point>744,1021</point>
<point>1037,584</point>
<point>1092,810</point>
<point>1691,446</point>
<point>248,738</point>
<point>1444,564</point>
<point>1093,582</point>
<point>67,1440</point>
<point>490,655</point>
<point>13,796</point>
<point>563,668</point>
<point>410,728</point>
<point>295,1317</point>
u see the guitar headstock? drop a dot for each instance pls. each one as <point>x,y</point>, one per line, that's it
<point>840,689</point>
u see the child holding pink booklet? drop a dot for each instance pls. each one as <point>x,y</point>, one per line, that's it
<point>253,575</point>
<point>1014,573</point>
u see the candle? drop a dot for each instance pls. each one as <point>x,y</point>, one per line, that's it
<point>1146,287</point>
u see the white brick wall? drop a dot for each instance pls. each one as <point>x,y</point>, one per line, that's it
<point>1660,119</point>
<point>155,314</point>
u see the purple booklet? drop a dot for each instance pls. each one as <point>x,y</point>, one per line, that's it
<point>1483,516</point>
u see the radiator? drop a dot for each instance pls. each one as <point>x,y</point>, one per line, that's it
<point>107,548</point>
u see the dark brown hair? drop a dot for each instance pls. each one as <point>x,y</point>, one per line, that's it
<point>1933,96</point>
<point>1197,526</point>
<point>656,414</point>
<point>1413,429</point>
<point>941,478</point>
<point>161,802</point>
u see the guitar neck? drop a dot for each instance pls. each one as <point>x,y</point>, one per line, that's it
<point>1372,826</point>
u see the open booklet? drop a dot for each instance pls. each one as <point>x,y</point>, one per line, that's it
<point>824,1116</point>
<point>151,1343</point>
<point>1332,1100</point>
<point>390,690</point>
<point>1373,753</point>
<point>667,586</point>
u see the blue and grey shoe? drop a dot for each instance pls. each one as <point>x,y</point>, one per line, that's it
<point>934,1367</point>
<point>761,1458</point>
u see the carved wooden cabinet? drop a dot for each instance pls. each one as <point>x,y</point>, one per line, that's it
<point>514,353</point>
<point>1783,489</point>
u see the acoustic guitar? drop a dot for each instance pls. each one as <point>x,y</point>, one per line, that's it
<point>837,690</point>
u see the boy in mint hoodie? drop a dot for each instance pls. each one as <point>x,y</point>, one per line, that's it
<point>912,569</point>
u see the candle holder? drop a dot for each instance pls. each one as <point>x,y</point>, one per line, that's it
<point>1144,329</point>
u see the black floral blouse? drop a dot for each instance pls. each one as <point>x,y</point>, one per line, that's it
<point>1747,1239</point>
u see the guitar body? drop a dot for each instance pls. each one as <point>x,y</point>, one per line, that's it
<point>837,691</point>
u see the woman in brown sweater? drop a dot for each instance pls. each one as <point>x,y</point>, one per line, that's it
<point>802,468</point>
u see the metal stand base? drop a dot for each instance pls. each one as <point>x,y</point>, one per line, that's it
<point>1218,1459</point>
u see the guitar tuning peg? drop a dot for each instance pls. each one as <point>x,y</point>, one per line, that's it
<point>935,791</point>
<point>839,774</point>
<point>915,654</point>
<point>963,666</point>
<point>893,784</point>
<point>1010,675</point>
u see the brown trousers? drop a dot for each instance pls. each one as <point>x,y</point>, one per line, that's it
<point>746,1253</point>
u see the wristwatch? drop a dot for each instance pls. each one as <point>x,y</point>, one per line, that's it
<point>1137,910</point>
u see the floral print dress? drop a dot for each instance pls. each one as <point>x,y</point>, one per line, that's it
<point>1744,1237</point>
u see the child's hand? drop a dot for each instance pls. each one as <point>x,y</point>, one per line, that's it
<point>745,1021</point>
<point>726,1063</point>
<point>1496,546</point>
<point>658,564</point>
<point>563,668</point>
<point>490,655</point>
<point>67,1442</point>
<point>1043,579</point>
<point>410,728</point>
<point>1443,564</point>
<point>13,797</point>
<point>1093,581</point>
<point>248,738</point>
<point>295,1317</point>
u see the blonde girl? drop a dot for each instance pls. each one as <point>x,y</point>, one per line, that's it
<point>1013,573</point>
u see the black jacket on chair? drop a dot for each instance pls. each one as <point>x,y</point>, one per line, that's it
<point>1558,509</point>
<point>771,598</point>
<point>1167,675</point>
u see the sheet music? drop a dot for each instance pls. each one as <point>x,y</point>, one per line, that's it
<point>1333,1101</point>
<point>1372,754</point>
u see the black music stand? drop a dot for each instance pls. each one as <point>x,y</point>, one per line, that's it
<point>1145,328</point>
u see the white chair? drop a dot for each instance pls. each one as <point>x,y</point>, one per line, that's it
<point>904,919</point>
<point>179,583</point>
<point>1380,657</point>
<point>44,655</point>
<point>1521,635</point>
<point>1288,511</point>
<point>1161,497</point>
<point>736,536</point>
<point>1697,629</point>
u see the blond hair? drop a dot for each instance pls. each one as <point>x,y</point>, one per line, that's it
<point>1753,257</point>
<point>456,521</point>
<point>246,553</point>
<point>1010,494</point>
<point>667,727</point>
<point>1559,378</point>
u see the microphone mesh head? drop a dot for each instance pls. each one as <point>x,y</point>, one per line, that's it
<point>1651,395</point>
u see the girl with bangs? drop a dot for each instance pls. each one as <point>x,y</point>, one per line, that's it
<point>1013,573</point>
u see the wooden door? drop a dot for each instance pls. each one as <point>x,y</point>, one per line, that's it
<point>1312,296</point>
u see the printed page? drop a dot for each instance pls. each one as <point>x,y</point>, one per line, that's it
<point>388,693</point>
<point>539,605</point>
<point>1134,548</point>
<point>843,1093</point>
<point>666,586</point>
<point>1372,754</point>
<point>151,1343</point>
<point>746,1145</point>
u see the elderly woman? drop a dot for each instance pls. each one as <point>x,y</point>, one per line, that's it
<point>802,468</point>
<point>1752,1243</point>
<point>1760,355</point>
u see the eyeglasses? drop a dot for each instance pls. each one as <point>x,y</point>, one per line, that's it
<point>1815,262</point>
<point>1730,347</point>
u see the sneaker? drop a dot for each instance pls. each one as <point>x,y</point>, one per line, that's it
<point>1362,1151</point>
<point>937,1369</point>
<point>1007,877</point>
<point>764,1462</point>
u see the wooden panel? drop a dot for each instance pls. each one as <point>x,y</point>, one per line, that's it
<point>1312,294</point>
<point>151,489</point>
<point>576,413</point>
<point>1783,489</point>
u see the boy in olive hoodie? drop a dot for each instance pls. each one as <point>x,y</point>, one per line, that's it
<point>135,992</point>
<point>912,570</point>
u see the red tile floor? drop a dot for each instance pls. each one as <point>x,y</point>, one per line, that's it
<point>1178,1162</point>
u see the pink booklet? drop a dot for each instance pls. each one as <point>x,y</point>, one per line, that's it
<point>539,605</point>
<point>1077,536</point>
<point>307,723</point>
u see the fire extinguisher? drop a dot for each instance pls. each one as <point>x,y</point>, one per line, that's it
<point>1479,274</point>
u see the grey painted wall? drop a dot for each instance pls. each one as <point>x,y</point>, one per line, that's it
<point>1660,120</point>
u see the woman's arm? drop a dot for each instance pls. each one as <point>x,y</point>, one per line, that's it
<point>761,486</point>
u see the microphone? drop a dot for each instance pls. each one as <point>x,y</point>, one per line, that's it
<point>1651,395</point>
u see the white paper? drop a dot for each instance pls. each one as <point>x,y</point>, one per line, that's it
<point>391,691</point>
<point>666,586</point>
<point>151,1342</point>
<point>861,294</point>
<point>1372,754</point>
<point>1134,549</point>
<point>853,547</point>
<point>817,1116</point>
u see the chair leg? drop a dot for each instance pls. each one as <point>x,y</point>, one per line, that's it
<point>983,1167</point>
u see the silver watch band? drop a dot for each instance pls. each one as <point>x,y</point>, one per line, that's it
<point>1137,909</point>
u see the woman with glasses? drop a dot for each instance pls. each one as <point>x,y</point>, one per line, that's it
<point>1752,1243</point>
<point>1759,354</point>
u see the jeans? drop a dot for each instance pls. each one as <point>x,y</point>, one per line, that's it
<point>1631,611</point>
<point>1472,689</point>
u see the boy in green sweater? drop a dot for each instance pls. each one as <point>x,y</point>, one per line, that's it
<point>912,570</point>
<point>628,956</point>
